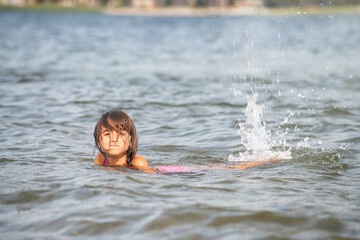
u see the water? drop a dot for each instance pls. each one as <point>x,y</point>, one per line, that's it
<point>210,90</point>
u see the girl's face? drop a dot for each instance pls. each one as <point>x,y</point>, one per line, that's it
<point>114,143</point>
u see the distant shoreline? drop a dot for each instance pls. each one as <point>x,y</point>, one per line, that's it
<point>189,11</point>
<point>244,11</point>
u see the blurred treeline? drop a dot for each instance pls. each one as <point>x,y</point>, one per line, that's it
<point>306,3</point>
<point>186,3</point>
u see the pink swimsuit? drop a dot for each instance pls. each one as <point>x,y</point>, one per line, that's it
<point>171,169</point>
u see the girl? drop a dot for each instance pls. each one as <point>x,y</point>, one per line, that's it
<point>117,142</point>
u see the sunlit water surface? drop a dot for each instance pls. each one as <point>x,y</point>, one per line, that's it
<point>208,90</point>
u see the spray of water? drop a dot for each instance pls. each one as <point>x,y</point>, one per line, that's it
<point>255,137</point>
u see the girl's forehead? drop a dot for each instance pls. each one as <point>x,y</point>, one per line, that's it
<point>105,129</point>
<point>112,125</point>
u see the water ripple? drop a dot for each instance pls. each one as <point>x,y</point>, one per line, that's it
<point>188,97</point>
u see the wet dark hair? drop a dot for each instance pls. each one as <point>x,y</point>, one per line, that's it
<point>117,120</point>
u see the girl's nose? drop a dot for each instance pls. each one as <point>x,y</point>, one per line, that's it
<point>114,137</point>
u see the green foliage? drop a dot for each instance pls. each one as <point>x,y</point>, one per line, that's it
<point>304,3</point>
<point>48,7</point>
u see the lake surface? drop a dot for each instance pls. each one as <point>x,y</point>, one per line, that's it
<point>201,91</point>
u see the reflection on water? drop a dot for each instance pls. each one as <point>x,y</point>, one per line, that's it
<point>296,81</point>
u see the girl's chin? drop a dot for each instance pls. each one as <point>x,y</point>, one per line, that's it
<point>115,154</point>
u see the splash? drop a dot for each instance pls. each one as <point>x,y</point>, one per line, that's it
<point>255,137</point>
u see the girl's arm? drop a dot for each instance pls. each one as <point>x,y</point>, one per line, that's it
<point>237,166</point>
<point>249,165</point>
<point>254,164</point>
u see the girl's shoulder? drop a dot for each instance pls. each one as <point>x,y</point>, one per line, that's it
<point>99,159</point>
<point>140,162</point>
